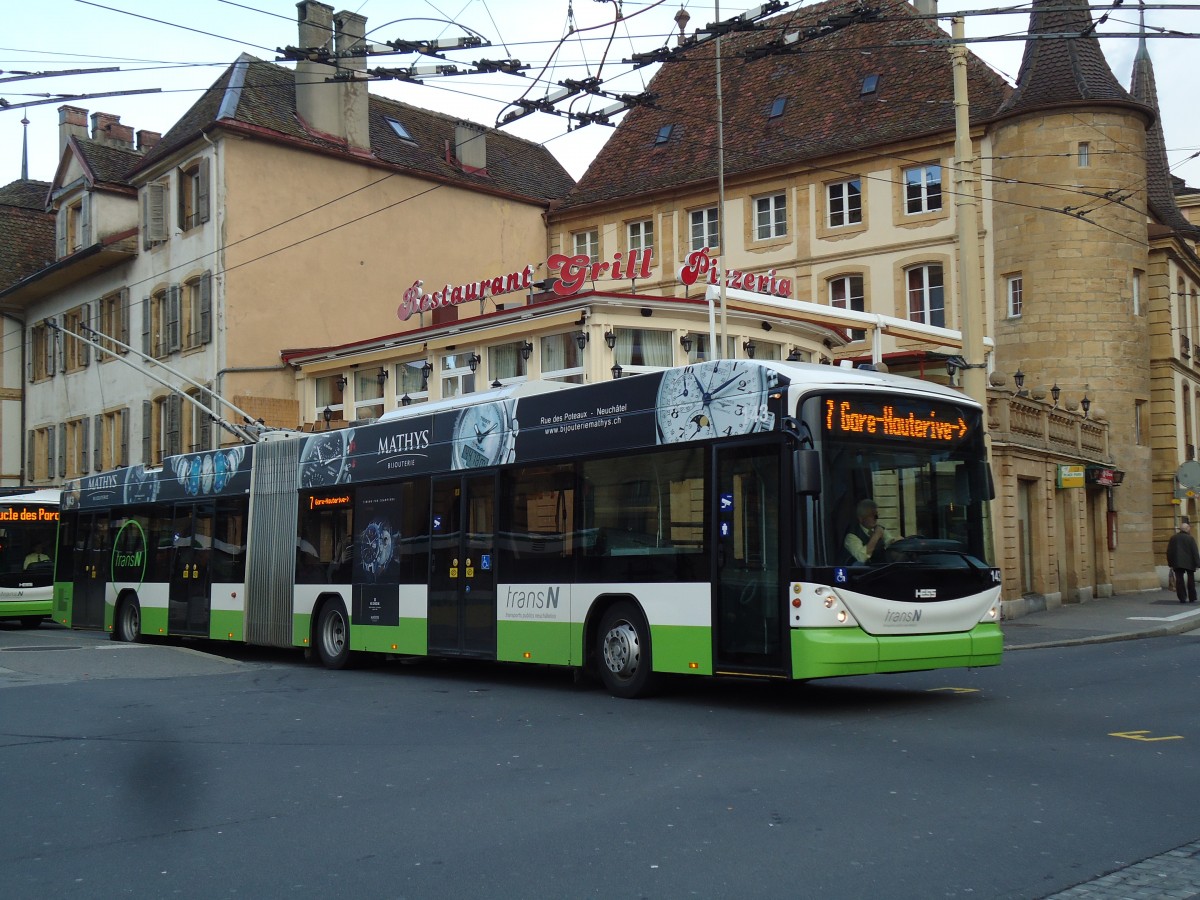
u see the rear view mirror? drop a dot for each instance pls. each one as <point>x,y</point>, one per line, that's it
<point>806,471</point>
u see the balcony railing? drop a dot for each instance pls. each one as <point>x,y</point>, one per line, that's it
<point>1041,425</point>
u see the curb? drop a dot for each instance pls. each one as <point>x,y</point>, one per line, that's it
<point>1164,631</point>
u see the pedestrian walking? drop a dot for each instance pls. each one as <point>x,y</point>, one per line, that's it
<point>1183,556</point>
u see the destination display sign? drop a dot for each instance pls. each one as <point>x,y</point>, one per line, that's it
<point>893,418</point>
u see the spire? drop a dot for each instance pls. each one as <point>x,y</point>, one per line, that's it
<point>1062,70</point>
<point>1160,194</point>
<point>24,148</point>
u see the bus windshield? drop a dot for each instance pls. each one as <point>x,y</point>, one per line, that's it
<point>905,482</point>
<point>27,530</point>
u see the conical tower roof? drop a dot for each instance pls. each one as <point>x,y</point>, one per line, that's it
<point>1160,193</point>
<point>1058,71</point>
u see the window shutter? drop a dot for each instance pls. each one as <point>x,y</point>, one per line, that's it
<point>174,411</point>
<point>155,209</point>
<point>85,349</point>
<point>98,443</point>
<point>173,293</point>
<point>124,460</point>
<point>147,432</point>
<point>206,308</point>
<point>49,451</point>
<point>82,430</point>
<point>123,315</point>
<point>51,340</point>
<point>202,205</point>
<point>62,450</point>
<point>29,356</point>
<point>30,449</point>
<point>60,233</point>
<point>85,221</point>
<point>147,349</point>
<point>206,436</point>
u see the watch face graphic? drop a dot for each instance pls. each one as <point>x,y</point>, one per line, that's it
<point>721,398</point>
<point>483,436</point>
<point>377,547</point>
<point>323,460</point>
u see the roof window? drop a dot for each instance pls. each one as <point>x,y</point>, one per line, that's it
<point>400,130</point>
<point>664,134</point>
<point>777,107</point>
<point>869,84</point>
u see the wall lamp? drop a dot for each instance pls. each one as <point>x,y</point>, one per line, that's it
<point>526,351</point>
<point>327,416</point>
<point>1019,381</point>
<point>426,371</point>
<point>473,361</point>
<point>382,376</point>
<point>406,400</point>
<point>582,338</point>
<point>616,370</point>
<point>751,348</point>
<point>686,343</point>
<point>794,356</point>
<point>497,384</point>
<point>954,363</point>
<point>610,339</point>
<point>1086,403</point>
<point>340,381</point>
<point>1054,392</point>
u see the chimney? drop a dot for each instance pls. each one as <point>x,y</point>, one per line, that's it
<point>925,7</point>
<point>316,98</point>
<point>146,140</point>
<point>72,122</point>
<point>352,95</point>
<point>107,129</point>
<point>470,147</point>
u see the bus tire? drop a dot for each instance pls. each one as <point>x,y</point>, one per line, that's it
<point>333,636</point>
<point>127,622</point>
<point>31,621</point>
<point>623,652</point>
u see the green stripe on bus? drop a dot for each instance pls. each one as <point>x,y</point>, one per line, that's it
<point>828,652</point>
<point>25,607</point>
<point>686,649</point>
<point>227,624</point>
<point>534,642</point>
<point>409,637</point>
<point>64,593</point>
<point>154,619</point>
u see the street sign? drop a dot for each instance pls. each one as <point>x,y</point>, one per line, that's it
<point>1188,475</point>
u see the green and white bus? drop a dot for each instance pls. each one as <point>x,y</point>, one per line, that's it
<point>690,521</point>
<point>28,522</point>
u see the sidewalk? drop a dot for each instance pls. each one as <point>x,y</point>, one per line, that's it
<point>1117,618</point>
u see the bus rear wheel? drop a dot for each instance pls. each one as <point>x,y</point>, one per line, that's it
<point>31,621</point>
<point>623,652</point>
<point>333,636</point>
<point>127,625</point>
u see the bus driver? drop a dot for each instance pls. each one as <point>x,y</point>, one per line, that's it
<point>867,539</point>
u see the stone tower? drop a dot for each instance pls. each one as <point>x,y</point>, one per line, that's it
<point>1069,215</point>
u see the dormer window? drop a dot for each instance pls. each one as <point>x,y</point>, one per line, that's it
<point>73,226</point>
<point>401,131</point>
<point>664,134</point>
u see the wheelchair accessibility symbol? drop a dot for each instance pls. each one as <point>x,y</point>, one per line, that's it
<point>840,575</point>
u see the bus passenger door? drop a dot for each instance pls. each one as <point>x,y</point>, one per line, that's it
<point>190,605</point>
<point>93,562</point>
<point>462,583</point>
<point>748,621</point>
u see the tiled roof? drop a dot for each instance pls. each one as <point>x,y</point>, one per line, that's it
<point>826,111</point>
<point>1059,70</point>
<point>267,102</point>
<point>26,231</point>
<point>108,164</point>
<point>1160,190</point>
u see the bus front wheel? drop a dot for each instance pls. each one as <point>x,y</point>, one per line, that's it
<point>127,625</point>
<point>623,652</point>
<point>333,636</point>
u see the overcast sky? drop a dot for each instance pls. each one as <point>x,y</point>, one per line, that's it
<point>181,48</point>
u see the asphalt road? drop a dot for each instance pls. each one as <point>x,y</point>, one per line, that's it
<point>163,771</point>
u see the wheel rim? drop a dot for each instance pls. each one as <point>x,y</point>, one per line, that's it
<point>130,621</point>
<point>622,650</point>
<point>334,634</point>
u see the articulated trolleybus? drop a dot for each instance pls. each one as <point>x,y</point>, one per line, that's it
<point>28,522</point>
<point>695,520</point>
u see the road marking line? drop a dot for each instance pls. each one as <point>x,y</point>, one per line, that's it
<point>1141,736</point>
<point>1175,618</point>
<point>955,690</point>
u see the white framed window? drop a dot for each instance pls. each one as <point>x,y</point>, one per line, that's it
<point>457,376</point>
<point>562,357</point>
<point>641,235</point>
<point>922,189</point>
<point>1135,286</point>
<point>412,386</point>
<point>1084,156</point>
<point>1014,289</point>
<point>844,203</point>
<point>770,217</point>
<point>368,393</point>
<point>926,295</point>
<point>509,362</point>
<point>846,292</point>
<point>704,229</point>
<point>329,393</point>
<point>695,344</point>
<point>587,243</point>
<point>642,349</point>
<point>754,349</point>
